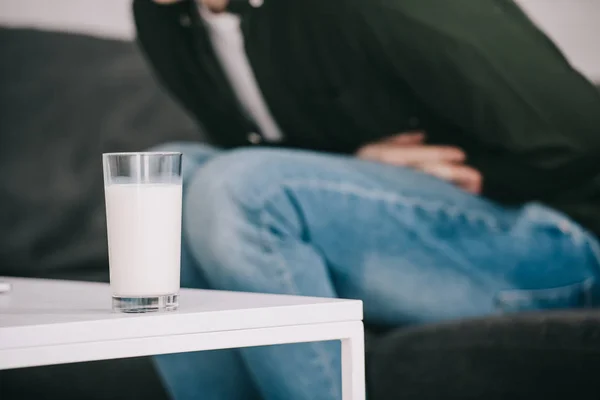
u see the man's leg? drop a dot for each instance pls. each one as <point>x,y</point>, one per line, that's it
<point>208,375</point>
<point>413,248</point>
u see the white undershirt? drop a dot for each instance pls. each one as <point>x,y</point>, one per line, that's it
<point>228,42</point>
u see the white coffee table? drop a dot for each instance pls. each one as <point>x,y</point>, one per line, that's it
<point>44,322</point>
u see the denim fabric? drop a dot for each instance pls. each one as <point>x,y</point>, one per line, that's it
<point>415,249</point>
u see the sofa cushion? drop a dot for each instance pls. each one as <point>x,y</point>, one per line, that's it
<point>529,356</point>
<point>65,99</point>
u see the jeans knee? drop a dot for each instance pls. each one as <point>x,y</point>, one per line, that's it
<point>224,211</point>
<point>213,218</point>
<point>243,177</point>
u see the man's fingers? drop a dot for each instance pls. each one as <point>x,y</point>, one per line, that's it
<point>411,155</point>
<point>406,139</point>
<point>463,176</point>
<point>444,162</point>
<point>416,155</point>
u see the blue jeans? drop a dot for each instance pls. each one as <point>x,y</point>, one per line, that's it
<point>415,249</point>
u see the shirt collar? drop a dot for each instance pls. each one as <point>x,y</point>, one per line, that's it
<point>238,6</point>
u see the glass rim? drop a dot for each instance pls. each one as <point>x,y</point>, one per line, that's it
<point>143,153</point>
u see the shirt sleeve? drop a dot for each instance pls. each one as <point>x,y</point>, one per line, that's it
<point>484,67</point>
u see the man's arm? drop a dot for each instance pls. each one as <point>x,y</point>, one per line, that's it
<point>160,38</point>
<point>171,51</point>
<point>484,67</point>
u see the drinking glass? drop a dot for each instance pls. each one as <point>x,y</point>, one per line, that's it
<point>143,193</point>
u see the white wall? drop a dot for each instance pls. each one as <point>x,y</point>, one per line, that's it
<point>575,27</point>
<point>573,24</point>
<point>105,18</point>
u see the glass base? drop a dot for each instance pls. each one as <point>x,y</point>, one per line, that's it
<point>168,302</point>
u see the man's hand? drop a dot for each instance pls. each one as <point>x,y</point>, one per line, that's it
<point>213,5</point>
<point>410,150</point>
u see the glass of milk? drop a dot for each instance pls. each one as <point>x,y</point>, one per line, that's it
<point>143,214</point>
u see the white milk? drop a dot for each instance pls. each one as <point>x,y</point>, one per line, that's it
<point>144,238</point>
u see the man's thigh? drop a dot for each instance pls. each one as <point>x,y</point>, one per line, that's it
<point>201,374</point>
<point>412,247</point>
<point>194,156</point>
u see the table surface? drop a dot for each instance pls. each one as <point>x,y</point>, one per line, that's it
<point>49,312</point>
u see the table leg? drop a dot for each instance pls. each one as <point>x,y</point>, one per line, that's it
<point>351,335</point>
<point>353,364</point>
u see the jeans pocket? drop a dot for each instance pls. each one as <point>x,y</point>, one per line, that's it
<point>576,295</point>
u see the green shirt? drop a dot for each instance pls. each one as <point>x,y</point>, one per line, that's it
<point>337,74</point>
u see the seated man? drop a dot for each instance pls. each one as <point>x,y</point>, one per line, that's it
<point>493,208</point>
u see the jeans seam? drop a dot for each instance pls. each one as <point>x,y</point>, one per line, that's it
<point>537,294</point>
<point>510,296</point>
<point>391,198</point>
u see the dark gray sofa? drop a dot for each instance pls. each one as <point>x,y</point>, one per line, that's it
<point>64,99</point>
<point>553,355</point>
